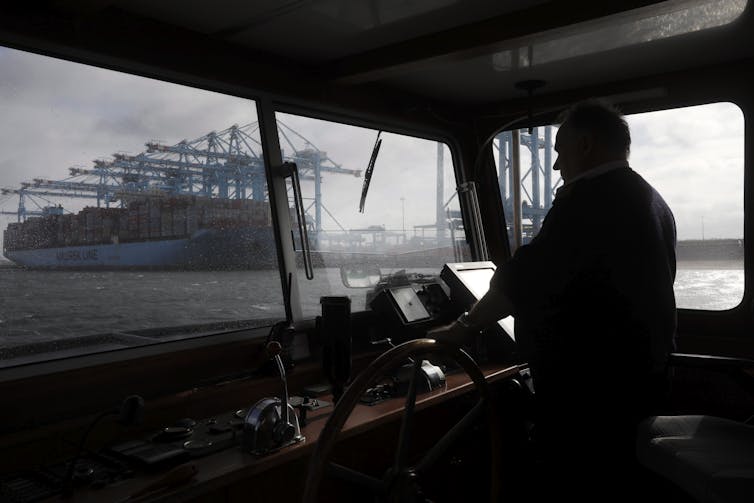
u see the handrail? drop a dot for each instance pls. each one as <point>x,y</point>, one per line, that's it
<point>291,170</point>
<point>712,362</point>
<point>515,156</point>
<point>468,191</point>
<point>737,368</point>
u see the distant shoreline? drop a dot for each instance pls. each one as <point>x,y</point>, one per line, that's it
<point>731,264</point>
<point>711,264</point>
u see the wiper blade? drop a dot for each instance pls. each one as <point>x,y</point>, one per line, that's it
<point>368,173</point>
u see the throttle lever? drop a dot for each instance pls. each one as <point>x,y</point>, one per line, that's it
<point>272,423</point>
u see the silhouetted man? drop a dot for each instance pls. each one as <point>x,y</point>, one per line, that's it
<point>592,296</point>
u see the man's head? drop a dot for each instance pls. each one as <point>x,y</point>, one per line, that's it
<point>591,133</point>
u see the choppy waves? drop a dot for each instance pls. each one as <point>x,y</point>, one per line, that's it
<point>39,306</point>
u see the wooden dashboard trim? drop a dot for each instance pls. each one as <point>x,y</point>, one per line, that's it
<point>232,465</point>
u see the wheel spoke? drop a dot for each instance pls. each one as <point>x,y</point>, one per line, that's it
<point>404,438</point>
<point>447,440</point>
<point>356,477</point>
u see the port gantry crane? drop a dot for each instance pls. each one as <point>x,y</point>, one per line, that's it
<point>225,165</point>
<point>228,165</point>
<point>537,184</point>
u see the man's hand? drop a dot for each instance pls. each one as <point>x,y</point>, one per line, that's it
<point>453,333</point>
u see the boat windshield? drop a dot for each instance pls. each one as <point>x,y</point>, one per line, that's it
<point>134,211</point>
<point>411,221</point>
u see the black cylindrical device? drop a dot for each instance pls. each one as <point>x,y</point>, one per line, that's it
<point>335,330</point>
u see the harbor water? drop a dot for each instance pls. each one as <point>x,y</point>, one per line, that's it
<point>40,306</point>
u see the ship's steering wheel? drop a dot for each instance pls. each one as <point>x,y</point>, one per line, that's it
<point>400,480</point>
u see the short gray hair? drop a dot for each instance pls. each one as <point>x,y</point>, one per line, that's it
<point>602,120</point>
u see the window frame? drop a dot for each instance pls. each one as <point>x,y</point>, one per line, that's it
<point>267,105</point>
<point>698,330</point>
<point>368,122</point>
<point>684,105</point>
<point>702,330</point>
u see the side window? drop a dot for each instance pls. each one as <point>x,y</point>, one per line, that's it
<point>411,224</point>
<point>134,211</point>
<point>538,181</point>
<point>694,157</point>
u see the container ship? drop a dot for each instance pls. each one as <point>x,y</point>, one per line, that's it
<point>176,232</point>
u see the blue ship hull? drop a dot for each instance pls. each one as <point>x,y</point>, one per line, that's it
<point>246,248</point>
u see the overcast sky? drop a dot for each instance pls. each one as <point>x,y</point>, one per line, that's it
<point>58,114</point>
<point>695,158</point>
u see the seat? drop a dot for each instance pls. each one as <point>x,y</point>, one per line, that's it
<point>710,458</point>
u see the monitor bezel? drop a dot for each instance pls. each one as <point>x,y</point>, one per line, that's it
<point>461,292</point>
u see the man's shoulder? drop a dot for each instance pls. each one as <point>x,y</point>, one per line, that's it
<point>621,175</point>
<point>619,192</point>
<point>619,181</point>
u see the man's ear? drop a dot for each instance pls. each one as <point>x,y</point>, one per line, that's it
<point>585,143</point>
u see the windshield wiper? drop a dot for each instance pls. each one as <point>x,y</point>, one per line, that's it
<point>368,173</point>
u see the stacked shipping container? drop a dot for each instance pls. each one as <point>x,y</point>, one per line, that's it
<point>144,219</point>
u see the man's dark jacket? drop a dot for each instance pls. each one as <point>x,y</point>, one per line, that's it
<point>593,291</point>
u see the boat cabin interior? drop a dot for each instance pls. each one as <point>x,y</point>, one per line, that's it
<point>224,253</point>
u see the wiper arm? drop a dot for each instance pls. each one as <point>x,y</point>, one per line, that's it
<point>368,173</point>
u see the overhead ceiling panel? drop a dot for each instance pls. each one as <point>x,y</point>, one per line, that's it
<point>672,36</point>
<point>313,31</point>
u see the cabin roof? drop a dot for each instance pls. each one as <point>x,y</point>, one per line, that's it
<point>462,53</point>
